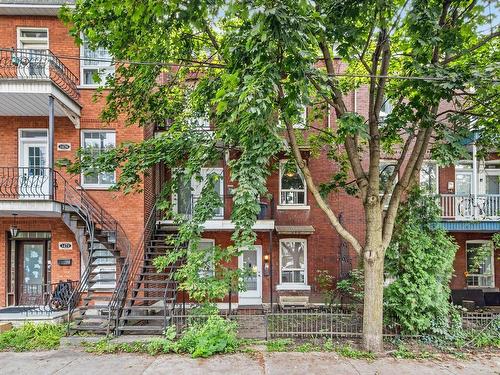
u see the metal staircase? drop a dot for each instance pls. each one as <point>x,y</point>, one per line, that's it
<point>144,299</point>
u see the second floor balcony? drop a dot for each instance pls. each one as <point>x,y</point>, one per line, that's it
<point>470,207</point>
<point>29,76</point>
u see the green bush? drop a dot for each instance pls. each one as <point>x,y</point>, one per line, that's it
<point>31,336</point>
<point>420,260</point>
<point>278,345</point>
<point>216,335</point>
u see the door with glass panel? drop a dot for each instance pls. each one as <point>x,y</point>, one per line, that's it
<point>189,192</point>
<point>34,177</point>
<point>250,262</point>
<point>32,57</point>
<point>464,204</point>
<point>31,271</point>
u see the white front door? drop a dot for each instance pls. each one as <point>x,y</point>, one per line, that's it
<point>464,204</point>
<point>33,169</point>
<point>250,260</point>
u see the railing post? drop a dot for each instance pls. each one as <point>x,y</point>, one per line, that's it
<point>51,146</point>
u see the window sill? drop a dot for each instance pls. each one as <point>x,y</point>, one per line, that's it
<point>293,287</point>
<point>93,187</point>
<point>292,207</point>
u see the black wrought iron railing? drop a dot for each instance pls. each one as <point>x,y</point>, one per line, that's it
<point>27,183</point>
<point>46,298</point>
<point>38,64</point>
<point>131,270</point>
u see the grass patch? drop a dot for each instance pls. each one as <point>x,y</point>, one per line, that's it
<point>278,345</point>
<point>307,347</point>
<point>31,336</point>
<point>348,351</point>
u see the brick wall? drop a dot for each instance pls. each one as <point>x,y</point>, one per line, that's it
<point>59,233</point>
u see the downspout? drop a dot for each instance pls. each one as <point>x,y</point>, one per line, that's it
<point>50,155</point>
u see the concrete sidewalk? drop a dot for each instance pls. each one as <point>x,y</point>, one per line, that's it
<point>75,361</point>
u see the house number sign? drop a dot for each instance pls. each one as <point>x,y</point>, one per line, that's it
<point>65,245</point>
<point>64,147</point>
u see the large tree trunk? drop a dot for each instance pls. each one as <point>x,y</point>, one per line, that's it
<point>373,256</point>
<point>373,304</point>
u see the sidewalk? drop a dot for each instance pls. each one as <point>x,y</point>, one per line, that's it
<point>75,361</point>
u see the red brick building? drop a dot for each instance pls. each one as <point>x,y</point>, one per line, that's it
<point>55,227</point>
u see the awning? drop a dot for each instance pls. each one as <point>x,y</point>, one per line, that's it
<point>295,229</point>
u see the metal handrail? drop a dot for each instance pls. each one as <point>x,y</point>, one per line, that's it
<point>46,297</point>
<point>130,270</point>
<point>38,64</point>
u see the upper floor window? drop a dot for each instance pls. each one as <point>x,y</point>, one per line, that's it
<point>95,63</point>
<point>33,38</point>
<point>387,168</point>
<point>97,141</point>
<point>385,110</point>
<point>429,177</point>
<point>292,185</point>
<point>300,122</point>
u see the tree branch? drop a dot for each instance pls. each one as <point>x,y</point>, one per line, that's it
<point>473,48</point>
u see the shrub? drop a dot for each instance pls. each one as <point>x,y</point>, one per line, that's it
<point>216,335</point>
<point>31,336</point>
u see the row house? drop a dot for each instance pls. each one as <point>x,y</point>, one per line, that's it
<point>68,243</point>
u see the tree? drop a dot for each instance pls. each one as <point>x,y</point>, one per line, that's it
<point>257,63</point>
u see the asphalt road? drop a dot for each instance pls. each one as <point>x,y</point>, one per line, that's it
<point>75,361</point>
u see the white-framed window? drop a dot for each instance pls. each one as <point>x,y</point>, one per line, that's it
<point>385,110</point>
<point>492,177</point>
<point>387,168</point>
<point>480,267</point>
<point>292,186</point>
<point>33,38</point>
<point>97,141</point>
<point>429,177</point>
<point>301,122</point>
<point>208,269</point>
<point>90,68</point>
<point>293,262</point>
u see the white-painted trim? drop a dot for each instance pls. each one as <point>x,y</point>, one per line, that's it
<point>102,66</point>
<point>292,207</point>
<point>492,263</point>
<point>252,299</point>
<point>28,28</point>
<point>216,225</point>
<point>82,145</point>
<point>292,287</point>
<point>280,204</point>
<point>291,239</point>
<point>30,208</point>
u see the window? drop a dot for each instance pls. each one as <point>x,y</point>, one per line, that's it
<point>33,38</point>
<point>480,264</point>
<point>492,177</point>
<point>293,255</point>
<point>385,110</point>
<point>429,182</point>
<point>208,268</point>
<point>301,120</point>
<point>97,141</point>
<point>386,170</point>
<point>292,185</point>
<point>101,67</point>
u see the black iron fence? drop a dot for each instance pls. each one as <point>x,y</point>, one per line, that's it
<point>46,298</point>
<point>38,64</point>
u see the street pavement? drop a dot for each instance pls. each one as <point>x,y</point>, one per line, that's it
<point>75,361</point>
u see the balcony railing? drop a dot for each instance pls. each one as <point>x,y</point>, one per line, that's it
<point>37,64</point>
<point>470,207</point>
<point>37,183</point>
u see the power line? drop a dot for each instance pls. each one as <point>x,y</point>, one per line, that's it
<point>202,64</point>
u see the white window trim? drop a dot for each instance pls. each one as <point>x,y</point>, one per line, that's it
<point>291,206</point>
<point>293,286</point>
<point>211,241</point>
<point>20,139</point>
<point>479,274</point>
<point>19,28</point>
<point>82,145</point>
<point>388,162</point>
<point>429,161</point>
<point>83,67</point>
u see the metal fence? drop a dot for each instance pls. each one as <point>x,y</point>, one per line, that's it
<point>302,323</point>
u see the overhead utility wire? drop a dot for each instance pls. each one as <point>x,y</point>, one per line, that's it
<point>201,64</point>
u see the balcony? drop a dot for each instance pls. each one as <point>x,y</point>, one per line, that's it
<point>186,207</point>
<point>470,213</point>
<point>28,77</point>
